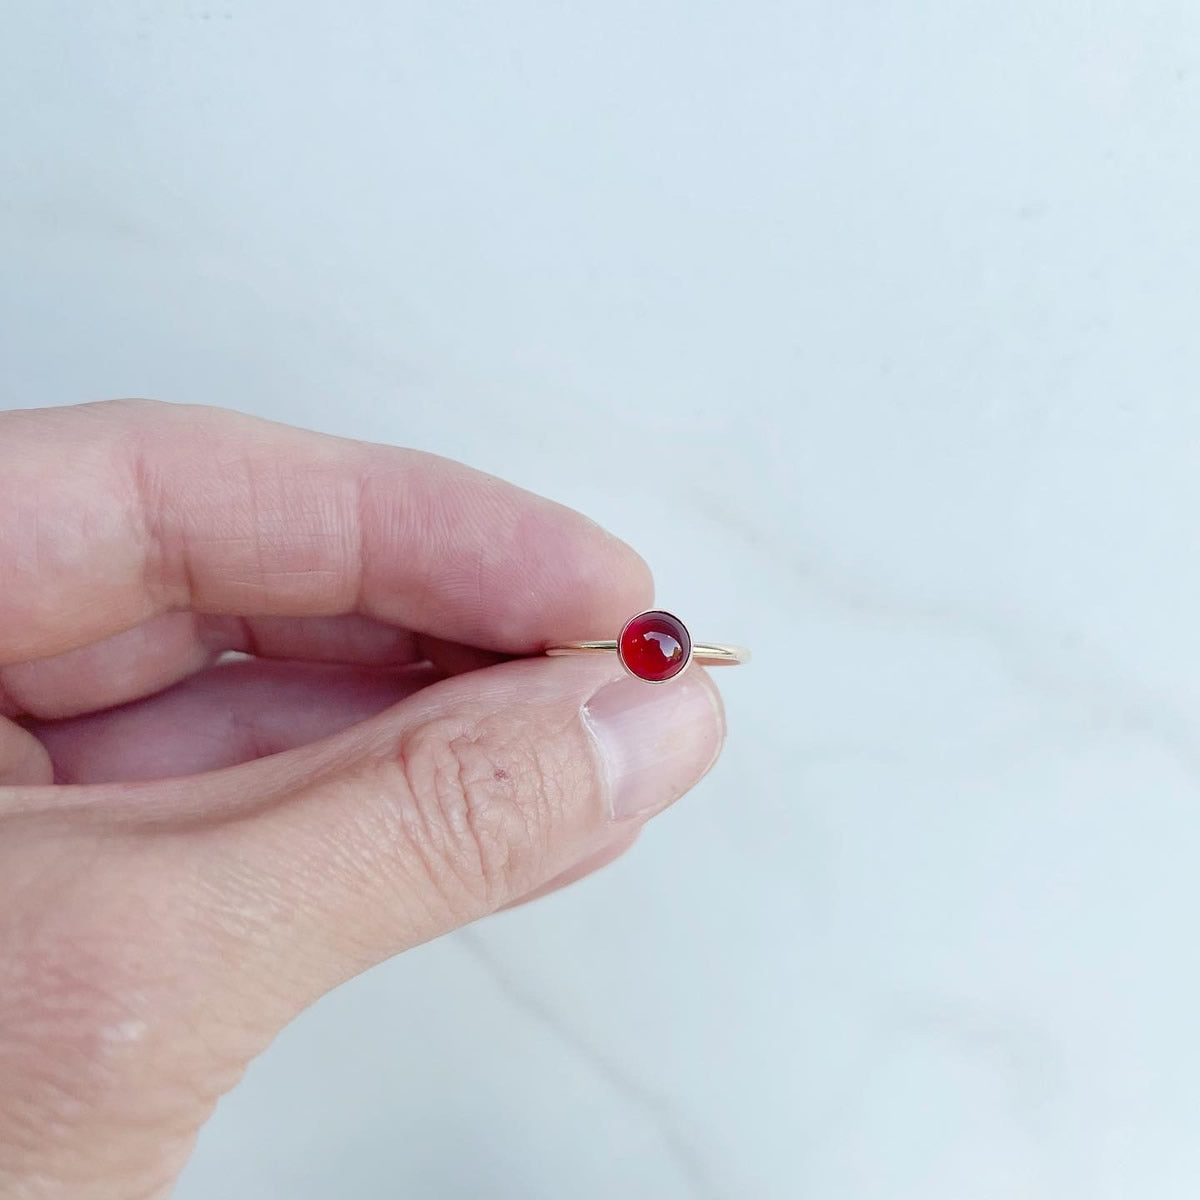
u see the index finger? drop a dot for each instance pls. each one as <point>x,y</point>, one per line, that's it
<point>119,511</point>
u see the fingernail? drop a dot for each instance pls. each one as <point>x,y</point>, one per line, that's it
<point>655,740</point>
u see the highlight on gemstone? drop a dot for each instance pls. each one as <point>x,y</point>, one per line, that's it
<point>655,646</point>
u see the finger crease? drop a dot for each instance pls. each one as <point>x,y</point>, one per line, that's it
<point>147,522</point>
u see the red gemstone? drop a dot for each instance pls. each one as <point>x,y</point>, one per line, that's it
<point>655,646</point>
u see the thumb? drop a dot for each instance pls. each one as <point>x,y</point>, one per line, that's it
<point>464,798</point>
<point>153,945</point>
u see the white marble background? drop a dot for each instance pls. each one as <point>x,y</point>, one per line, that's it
<point>875,326</point>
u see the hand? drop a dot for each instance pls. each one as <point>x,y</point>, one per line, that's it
<point>193,850</point>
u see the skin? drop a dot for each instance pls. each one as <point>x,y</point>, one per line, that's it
<point>193,849</point>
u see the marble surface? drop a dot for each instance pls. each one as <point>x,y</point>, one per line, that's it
<point>875,327</point>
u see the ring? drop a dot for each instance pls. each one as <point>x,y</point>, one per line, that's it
<point>656,646</point>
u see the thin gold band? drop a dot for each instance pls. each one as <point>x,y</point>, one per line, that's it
<point>709,654</point>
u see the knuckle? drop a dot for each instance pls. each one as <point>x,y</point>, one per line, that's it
<point>482,808</point>
<point>66,1018</point>
<point>119,406</point>
<point>72,1053</point>
<point>86,985</point>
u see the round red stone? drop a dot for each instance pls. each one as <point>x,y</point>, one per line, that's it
<point>655,646</point>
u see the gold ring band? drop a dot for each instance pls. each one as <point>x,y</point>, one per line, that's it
<point>707,654</point>
<point>655,646</point>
